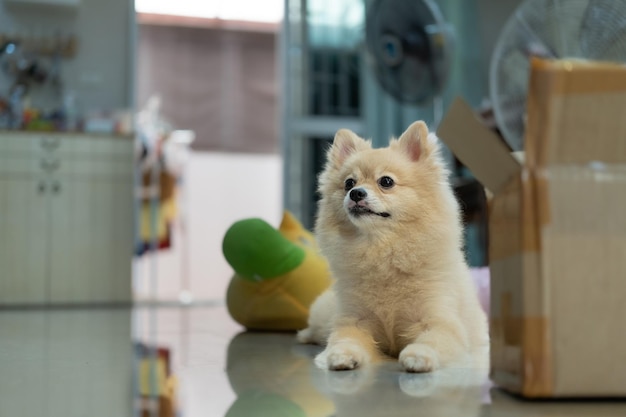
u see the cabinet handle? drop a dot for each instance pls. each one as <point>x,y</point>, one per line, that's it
<point>50,144</point>
<point>41,188</point>
<point>50,165</point>
<point>56,187</point>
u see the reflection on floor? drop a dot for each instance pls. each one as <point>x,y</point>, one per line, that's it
<point>80,363</point>
<point>65,363</point>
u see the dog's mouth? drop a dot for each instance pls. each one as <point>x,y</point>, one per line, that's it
<point>358,211</point>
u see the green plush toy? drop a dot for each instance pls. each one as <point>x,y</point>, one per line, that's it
<point>278,273</point>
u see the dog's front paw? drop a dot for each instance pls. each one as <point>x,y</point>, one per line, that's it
<point>344,356</point>
<point>419,358</point>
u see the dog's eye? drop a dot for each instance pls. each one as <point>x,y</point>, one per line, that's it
<point>349,184</point>
<point>386,182</point>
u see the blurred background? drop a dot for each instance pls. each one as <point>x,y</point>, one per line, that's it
<point>265,95</point>
<point>254,93</point>
<point>234,102</point>
<point>134,133</point>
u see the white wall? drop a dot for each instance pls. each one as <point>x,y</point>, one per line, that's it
<point>220,188</point>
<point>102,72</point>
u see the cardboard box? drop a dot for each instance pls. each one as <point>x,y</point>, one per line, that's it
<point>557,232</point>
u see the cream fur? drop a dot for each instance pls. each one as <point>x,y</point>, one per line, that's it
<point>403,287</point>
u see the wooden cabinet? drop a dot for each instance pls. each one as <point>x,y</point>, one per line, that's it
<point>23,223</point>
<point>66,219</point>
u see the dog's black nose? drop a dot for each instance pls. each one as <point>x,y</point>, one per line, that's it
<point>357,194</point>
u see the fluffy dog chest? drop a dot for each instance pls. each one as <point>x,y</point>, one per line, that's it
<point>388,309</point>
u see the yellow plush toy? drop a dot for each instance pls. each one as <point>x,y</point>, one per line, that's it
<point>278,274</point>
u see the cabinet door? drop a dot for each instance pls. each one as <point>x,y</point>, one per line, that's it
<point>91,235</point>
<point>71,242</point>
<point>91,226</point>
<point>122,239</point>
<point>23,240</point>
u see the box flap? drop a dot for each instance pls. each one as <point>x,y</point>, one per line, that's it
<point>477,147</point>
<point>576,113</point>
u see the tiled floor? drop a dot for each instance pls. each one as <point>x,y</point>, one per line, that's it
<point>78,363</point>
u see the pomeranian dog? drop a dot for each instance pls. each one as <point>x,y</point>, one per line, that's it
<point>390,227</point>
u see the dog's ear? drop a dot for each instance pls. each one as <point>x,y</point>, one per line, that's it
<point>415,141</point>
<point>346,143</point>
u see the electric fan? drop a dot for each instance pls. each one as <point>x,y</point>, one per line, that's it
<point>584,29</point>
<point>410,48</point>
